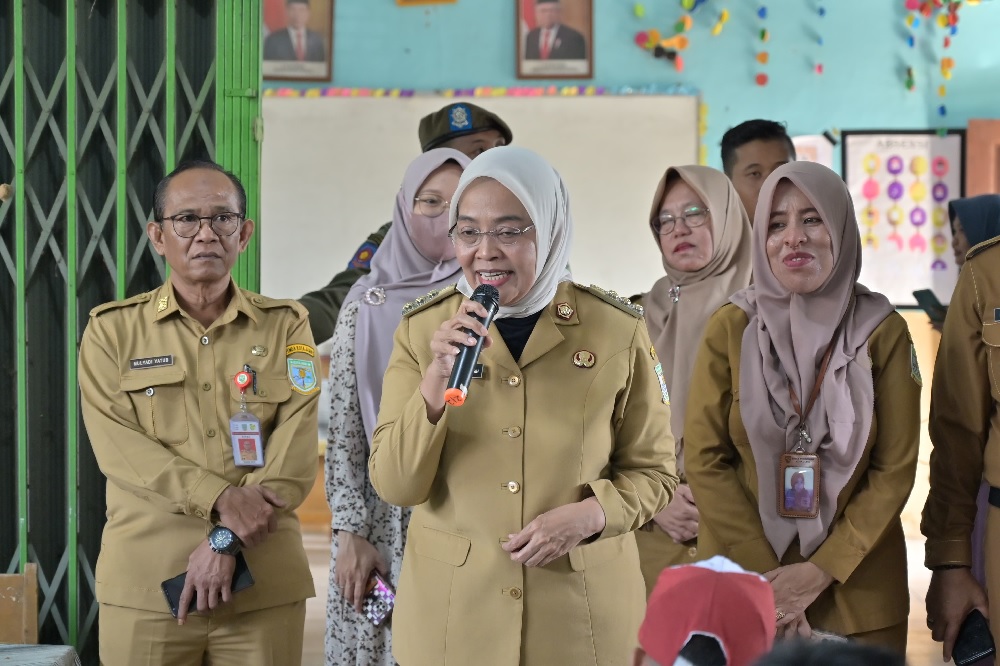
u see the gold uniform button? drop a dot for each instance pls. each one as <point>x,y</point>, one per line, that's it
<point>204,339</point>
<point>210,432</point>
<point>206,387</point>
<point>514,381</point>
<point>262,393</point>
<point>513,432</point>
<point>515,593</point>
<point>257,299</point>
<point>692,551</point>
<point>513,486</point>
<point>150,391</point>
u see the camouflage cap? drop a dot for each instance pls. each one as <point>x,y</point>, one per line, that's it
<point>458,119</point>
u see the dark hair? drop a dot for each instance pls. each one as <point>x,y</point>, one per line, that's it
<point>702,650</point>
<point>751,130</point>
<point>161,188</point>
<point>828,653</point>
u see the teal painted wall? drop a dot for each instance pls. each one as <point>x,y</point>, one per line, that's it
<point>865,55</point>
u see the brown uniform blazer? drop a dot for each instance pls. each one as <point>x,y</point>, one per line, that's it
<point>964,416</point>
<point>532,435</point>
<point>158,392</point>
<point>865,551</point>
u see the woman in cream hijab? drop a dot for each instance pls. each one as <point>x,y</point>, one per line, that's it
<point>520,547</point>
<point>703,235</point>
<point>809,371</point>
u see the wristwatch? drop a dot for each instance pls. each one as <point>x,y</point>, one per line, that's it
<point>224,541</point>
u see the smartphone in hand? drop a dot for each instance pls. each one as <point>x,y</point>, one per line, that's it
<point>379,599</point>
<point>172,587</point>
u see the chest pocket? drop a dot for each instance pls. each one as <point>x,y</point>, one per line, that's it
<point>158,397</point>
<point>991,336</point>
<point>271,392</point>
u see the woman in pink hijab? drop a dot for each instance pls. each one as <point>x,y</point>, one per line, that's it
<point>415,257</point>
<point>808,373</point>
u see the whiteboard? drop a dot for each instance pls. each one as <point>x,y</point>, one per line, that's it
<point>332,167</point>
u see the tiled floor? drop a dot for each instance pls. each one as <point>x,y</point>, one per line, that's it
<point>922,651</point>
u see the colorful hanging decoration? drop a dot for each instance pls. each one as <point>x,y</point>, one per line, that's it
<point>723,19</point>
<point>761,78</point>
<point>818,64</point>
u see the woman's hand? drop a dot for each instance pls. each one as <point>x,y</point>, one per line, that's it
<point>795,587</point>
<point>556,532</point>
<point>356,559</point>
<point>445,345</point>
<point>952,595</point>
<point>796,629</point>
<point>680,518</point>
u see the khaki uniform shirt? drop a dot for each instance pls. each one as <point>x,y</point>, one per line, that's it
<point>158,392</point>
<point>581,413</point>
<point>865,551</point>
<point>965,410</point>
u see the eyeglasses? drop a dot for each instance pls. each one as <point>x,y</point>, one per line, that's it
<point>694,216</point>
<point>430,205</point>
<point>470,236</point>
<point>187,225</point>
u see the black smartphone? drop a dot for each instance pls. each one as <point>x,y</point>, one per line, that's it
<point>172,587</point>
<point>930,304</point>
<point>974,640</point>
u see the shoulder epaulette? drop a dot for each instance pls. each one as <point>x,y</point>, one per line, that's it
<point>114,305</point>
<point>614,299</point>
<point>985,245</point>
<point>420,303</point>
<point>267,303</point>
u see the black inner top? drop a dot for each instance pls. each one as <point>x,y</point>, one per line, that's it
<point>516,331</point>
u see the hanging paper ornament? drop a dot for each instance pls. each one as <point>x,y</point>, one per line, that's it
<point>762,57</point>
<point>641,38</point>
<point>639,10</point>
<point>723,17</point>
<point>761,79</point>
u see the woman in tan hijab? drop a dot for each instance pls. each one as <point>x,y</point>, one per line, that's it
<point>703,234</point>
<point>808,371</point>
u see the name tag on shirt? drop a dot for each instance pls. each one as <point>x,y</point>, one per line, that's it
<point>248,442</point>
<point>151,362</point>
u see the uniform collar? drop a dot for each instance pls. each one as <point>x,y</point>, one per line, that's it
<point>164,303</point>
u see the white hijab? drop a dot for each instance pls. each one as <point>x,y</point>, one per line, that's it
<point>543,194</point>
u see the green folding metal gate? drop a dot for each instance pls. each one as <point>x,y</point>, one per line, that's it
<point>98,100</point>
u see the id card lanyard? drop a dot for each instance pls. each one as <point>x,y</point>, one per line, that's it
<point>248,441</point>
<point>800,464</point>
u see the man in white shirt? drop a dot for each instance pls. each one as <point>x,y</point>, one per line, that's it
<point>552,40</point>
<point>295,41</point>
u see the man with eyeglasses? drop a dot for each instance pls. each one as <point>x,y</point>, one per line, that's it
<point>467,128</point>
<point>200,401</point>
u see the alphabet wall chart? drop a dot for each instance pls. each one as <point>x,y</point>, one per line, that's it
<point>901,183</point>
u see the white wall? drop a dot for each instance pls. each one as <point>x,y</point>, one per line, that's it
<point>332,166</point>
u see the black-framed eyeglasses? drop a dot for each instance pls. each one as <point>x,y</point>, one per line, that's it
<point>693,216</point>
<point>430,205</point>
<point>471,237</point>
<point>187,225</point>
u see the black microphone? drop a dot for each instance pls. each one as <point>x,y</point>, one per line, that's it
<point>458,386</point>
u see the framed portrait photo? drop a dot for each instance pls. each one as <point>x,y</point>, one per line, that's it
<point>555,39</point>
<point>298,40</point>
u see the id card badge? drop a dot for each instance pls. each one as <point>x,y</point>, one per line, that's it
<point>248,444</point>
<point>244,428</point>
<point>798,485</point>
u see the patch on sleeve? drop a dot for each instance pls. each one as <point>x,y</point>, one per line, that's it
<point>363,257</point>
<point>299,349</point>
<point>915,367</point>
<point>302,375</point>
<point>658,369</point>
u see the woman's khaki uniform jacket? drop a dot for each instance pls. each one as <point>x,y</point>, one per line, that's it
<point>158,392</point>
<point>965,420</point>
<point>582,413</point>
<point>865,551</point>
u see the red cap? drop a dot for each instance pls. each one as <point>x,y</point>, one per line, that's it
<point>454,397</point>
<point>715,598</point>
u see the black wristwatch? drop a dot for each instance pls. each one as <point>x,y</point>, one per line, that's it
<point>224,541</point>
